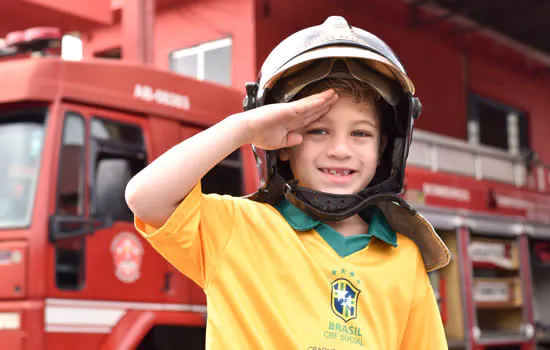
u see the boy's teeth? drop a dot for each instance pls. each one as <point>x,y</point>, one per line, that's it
<point>334,172</point>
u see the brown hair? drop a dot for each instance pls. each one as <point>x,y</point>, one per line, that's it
<point>359,91</point>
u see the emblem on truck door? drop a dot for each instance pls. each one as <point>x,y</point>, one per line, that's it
<point>127,253</point>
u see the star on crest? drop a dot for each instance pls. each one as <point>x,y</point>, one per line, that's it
<point>346,274</point>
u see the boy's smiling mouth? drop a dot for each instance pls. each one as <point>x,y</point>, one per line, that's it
<point>338,172</point>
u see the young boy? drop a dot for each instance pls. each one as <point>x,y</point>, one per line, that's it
<point>325,255</point>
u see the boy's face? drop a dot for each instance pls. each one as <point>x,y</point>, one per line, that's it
<point>340,151</point>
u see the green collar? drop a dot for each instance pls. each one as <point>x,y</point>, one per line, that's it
<point>378,227</point>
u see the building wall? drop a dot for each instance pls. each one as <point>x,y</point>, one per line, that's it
<point>524,90</point>
<point>444,68</point>
<point>102,39</point>
<point>191,24</point>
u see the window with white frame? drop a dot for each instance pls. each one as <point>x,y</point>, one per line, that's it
<point>208,61</point>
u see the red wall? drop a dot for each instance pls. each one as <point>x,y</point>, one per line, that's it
<point>434,66</point>
<point>101,40</point>
<point>444,68</point>
<point>195,23</point>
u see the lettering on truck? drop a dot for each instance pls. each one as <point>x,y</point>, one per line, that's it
<point>162,97</point>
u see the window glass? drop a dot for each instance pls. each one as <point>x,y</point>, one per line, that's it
<point>493,130</point>
<point>111,177</point>
<point>114,167</point>
<point>70,252</point>
<point>226,177</point>
<point>186,65</point>
<point>209,61</point>
<point>217,65</point>
<point>103,129</point>
<point>21,142</point>
<point>70,195</point>
<point>70,263</point>
<point>494,124</point>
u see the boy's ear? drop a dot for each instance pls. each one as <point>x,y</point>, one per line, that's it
<point>382,146</point>
<point>283,154</point>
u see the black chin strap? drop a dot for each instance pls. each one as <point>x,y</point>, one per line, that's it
<point>331,207</point>
<point>327,206</point>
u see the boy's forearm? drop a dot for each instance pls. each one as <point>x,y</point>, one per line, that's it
<point>155,192</point>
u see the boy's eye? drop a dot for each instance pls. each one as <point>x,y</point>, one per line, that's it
<point>317,132</point>
<point>360,133</point>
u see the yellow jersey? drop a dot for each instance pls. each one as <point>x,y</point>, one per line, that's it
<point>276,278</point>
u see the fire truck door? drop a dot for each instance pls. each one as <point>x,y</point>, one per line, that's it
<point>106,260</point>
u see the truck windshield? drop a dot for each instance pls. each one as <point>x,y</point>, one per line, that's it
<point>21,135</point>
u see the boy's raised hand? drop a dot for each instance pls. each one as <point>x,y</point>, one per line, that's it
<point>278,125</point>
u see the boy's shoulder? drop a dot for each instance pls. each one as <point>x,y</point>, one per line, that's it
<point>220,209</point>
<point>246,207</point>
<point>406,243</point>
<point>406,248</point>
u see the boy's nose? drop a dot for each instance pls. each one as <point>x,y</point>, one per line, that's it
<point>339,149</point>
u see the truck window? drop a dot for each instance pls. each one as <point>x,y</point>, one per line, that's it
<point>226,177</point>
<point>69,253</point>
<point>21,139</point>
<point>121,155</point>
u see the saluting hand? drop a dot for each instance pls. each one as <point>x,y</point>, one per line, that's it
<point>276,126</point>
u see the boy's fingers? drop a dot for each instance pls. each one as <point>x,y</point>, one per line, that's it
<point>302,107</point>
<point>311,117</point>
<point>313,102</point>
<point>326,94</point>
<point>293,139</point>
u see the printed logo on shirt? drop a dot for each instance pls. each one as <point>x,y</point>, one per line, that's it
<point>344,304</point>
<point>345,334</point>
<point>344,299</point>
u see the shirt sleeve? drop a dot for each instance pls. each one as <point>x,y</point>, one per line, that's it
<point>195,235</point>
<point>424,329</point>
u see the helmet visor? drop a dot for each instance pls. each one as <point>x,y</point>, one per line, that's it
<point>318,64</point>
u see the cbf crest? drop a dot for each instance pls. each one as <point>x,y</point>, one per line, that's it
<point>344,299</point>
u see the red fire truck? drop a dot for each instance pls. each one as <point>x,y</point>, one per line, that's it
<point>75,275</point>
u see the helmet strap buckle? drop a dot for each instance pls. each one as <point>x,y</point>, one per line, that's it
<point>249,101</point>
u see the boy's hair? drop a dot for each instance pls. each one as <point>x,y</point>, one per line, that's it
<point>359,91</point>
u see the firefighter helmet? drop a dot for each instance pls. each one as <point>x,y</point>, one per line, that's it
<point>335,49</point>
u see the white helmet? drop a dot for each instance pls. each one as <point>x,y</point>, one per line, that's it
<point>335,49</point>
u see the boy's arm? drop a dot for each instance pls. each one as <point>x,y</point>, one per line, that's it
<point>424,328</point>
<point>155,192</point>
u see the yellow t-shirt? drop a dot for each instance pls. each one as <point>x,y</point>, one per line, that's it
<point>270,286</point>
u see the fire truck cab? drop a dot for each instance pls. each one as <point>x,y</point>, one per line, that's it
<point>75,274</point>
